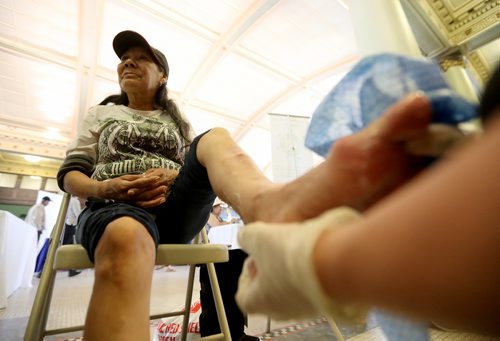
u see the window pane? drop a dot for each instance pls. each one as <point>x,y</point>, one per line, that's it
<point>31,182</point>
<point>51,185</point>
<point>8,180</point>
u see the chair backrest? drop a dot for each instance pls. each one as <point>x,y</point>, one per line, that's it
<point>75,257</point>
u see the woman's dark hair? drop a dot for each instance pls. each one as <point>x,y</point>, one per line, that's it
<point>161,101</point>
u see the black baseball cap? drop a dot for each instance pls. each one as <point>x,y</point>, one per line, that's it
<point>46,198</point>
<point>128,39</point>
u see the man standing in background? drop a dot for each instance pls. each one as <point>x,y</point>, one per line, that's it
<point>36,215</point>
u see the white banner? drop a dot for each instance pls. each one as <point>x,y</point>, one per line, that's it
<point>290,158</point>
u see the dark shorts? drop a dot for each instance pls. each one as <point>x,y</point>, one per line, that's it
<point>177,221</point>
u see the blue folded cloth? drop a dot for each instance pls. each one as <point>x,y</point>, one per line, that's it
<point>374,84</point>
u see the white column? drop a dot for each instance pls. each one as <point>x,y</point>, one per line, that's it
<point>459,80</point>
<point>381,26</point>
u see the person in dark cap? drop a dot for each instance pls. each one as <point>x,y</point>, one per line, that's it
<point>36,215</point>
<point>126,39</point>
<point>430,251</point>
<point>148,180</point>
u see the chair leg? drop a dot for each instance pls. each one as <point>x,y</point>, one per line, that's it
<point>37,321</point>
<point>335,328</point>
<point>187,303</point>
<point>35,330</point>
<point>219,305</point>
<point>214,283</point>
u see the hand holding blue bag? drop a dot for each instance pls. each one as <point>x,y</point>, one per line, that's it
<point>363,95</point>
<point>373,85</point>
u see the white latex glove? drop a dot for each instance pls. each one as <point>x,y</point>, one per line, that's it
<point>279,278</point>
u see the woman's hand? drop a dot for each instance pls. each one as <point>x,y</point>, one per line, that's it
<point>118,188</point>
<point>152,193</point>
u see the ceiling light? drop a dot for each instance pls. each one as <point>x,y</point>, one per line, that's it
<point>32,158</point>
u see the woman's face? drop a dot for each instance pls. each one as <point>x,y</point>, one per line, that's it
<point>137,72</point>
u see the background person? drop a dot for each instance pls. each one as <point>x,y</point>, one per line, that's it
<point>75,207</point>
<point>215,218</point>
<point>36,215</point>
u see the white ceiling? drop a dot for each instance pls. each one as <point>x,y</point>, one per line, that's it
<point>231,63</point>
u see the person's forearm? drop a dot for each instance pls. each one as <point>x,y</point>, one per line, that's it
<point>81,185</point>
<point>431,250</point>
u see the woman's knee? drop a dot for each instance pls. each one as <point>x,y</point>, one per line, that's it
<point>215,136</point>
<point>213,143</point>
<point>124,239</point>
<point>219,131</point>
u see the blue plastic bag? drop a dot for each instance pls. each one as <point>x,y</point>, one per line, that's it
<point>374,84</point>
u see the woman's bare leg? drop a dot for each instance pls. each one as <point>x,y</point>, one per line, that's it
<point>124,261</point>
<point>360,169</point>
<point>234,177</point>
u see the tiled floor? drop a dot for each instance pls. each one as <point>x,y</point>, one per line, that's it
<point>71,296</point>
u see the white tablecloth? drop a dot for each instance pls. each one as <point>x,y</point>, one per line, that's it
<point>225,234</point>
<point>18,251</point>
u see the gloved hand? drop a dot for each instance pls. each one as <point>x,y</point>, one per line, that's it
<point>279,278</point>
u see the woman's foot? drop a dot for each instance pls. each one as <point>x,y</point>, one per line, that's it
<point>360,169</point>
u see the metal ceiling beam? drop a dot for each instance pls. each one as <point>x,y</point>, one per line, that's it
<point>162,11</point>
<point>225,44</point>
<point>37,53</point>
<point>264,109</point>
